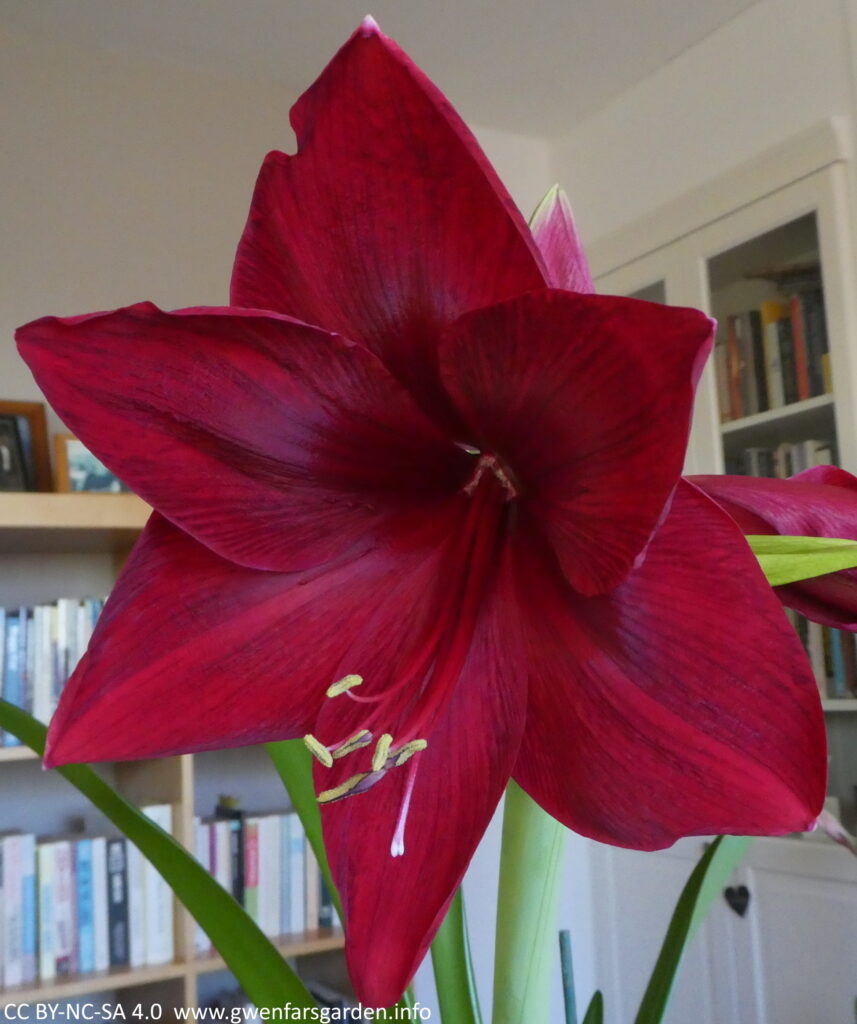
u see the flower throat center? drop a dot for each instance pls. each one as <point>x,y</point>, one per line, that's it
<point>489,463</point>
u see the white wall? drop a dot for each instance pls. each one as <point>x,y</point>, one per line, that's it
<point>775,69</point>
<point>127,181</point>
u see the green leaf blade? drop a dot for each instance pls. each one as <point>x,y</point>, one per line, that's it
<point>705,883</point>
<point>791,559</point>
<point>453,968</point>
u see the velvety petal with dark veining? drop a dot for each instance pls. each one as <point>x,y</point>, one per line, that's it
<point>193,652</point>
<point>680,704</point>
<point>394,904</point>
<point>276,444</point>
<point>586,401</point>
<point>388,222</point>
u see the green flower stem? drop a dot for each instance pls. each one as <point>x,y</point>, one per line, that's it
<point>250,955</point>
<point>453,968</point>
<point>525,951</point>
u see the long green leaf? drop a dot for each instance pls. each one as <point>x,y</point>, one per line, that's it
<point>705,882</point>
<point>453,968</point>
<point>595,1012</point>
<point>253,959</point>
<point>789,559</point>
<point>294,764</point>
<point>525,950</point>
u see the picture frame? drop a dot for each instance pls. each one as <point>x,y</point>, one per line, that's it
<point>27,422</point>
<point>78,471</point>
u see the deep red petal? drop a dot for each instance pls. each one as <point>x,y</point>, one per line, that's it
<point>820,502</point>
<point>195,653</point>
<point>681,704</point>
<point>394,905</point>
<point>587,401</point>
<point>389,222</point>
<point>277,445</point>
<point>556,236</point>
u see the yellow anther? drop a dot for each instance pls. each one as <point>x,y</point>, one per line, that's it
<point>406,752</point>
<point>358,740</point>
<point>345,683</point>
<point>379,758</point>
<point>329,795</point>
<point>318,750</point>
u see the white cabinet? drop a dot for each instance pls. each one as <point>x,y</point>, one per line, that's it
<point>791,959</point>
<point>788,960</point>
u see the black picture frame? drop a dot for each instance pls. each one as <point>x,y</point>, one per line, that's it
<point>13,465</point>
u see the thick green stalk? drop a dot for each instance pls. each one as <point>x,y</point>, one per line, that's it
<point>525,951</point>
<point>453,968</point>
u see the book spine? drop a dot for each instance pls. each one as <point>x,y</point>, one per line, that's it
<point>158,898</point>
<point>136,907</point>
<point>118,923</point>
<point>251,867</point>
<point>64,911</point>
<point>787,359</point>
<point>757,335</point>
<point>12,677</point>
<point>270,874</point>
<point>749,393</point>
<point>12,910</point>
<point>85,918</point>
<point>733,362</point>
<point>45,855</point>
<point>202,852</point>
<point>801,357</point>
<point>285,878</point>
<point>297,876</point>
<point>312,883</point>
<point>325,905</point>
<point>100,912</point>
<point>29,915</point>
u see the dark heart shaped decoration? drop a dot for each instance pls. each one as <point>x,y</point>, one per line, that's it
<point>738,898</point>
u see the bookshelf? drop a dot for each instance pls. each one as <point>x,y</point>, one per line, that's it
<point>769,232</point>
<point>62,544</point>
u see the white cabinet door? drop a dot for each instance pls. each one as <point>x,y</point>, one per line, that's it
<point>804,924</point>
<point>635,894</point>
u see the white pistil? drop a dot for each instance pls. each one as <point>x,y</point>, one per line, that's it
<point>397,847</point>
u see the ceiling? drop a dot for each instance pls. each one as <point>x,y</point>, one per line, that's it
<point>532,66</point>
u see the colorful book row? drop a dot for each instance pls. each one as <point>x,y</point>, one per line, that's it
<point>773,356</point>
<point>39,649</point>
<point>783,461</point>
<point>832,655</point>
<point>76,905</point>
<point>266,862</point>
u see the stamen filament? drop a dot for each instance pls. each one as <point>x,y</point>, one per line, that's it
<point>318,750</point>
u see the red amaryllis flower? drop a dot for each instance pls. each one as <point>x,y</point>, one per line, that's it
<point>416,503</point>
<point>819,502</point>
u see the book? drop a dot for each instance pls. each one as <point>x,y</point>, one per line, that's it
<point>100,911</point>
<point>13,679</point>
<point>202,852</point>
<point>119,944</point>
<point>136,869</point>
<point>82,852</point>
<point>297,876</point>
<point>11,910</point>
<point>771,313</point>
<point>228,809</point>
<point>47,952</point>
<point>158,898</point>
<point>251,867</point>
<point>270,873</point>
<point>65,930</point>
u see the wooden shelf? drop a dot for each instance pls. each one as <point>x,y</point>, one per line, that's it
<point>840,704</point>
<point>807,417</point>
<point>17,754</point>
<point>70,522</point>
<point>322,941</point>
<point>84,984</point>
